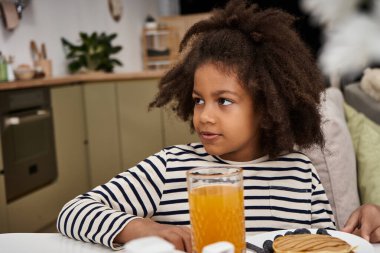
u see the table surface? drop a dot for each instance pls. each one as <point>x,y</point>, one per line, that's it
<point>54,242</point>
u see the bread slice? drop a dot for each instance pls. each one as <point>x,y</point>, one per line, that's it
<point>310,243</point>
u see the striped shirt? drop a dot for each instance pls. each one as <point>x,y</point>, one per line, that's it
<point>281,193</point>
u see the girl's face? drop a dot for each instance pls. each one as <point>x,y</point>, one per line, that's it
<point>224,117</point>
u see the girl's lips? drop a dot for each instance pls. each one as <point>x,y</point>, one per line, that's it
<point>209,136</point>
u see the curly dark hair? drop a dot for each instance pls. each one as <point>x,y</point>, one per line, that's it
<point>271,62</point>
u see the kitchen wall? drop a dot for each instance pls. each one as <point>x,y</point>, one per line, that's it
<point>49,20</point>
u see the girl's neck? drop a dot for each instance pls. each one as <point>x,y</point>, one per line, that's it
<point>253,160</point>
<point>256,153</point>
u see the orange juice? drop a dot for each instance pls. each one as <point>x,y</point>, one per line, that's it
<point>217,214</point>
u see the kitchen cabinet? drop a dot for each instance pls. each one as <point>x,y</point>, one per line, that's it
<point>141,131</point>
<point>3,207</point>
<point>121,131</point>
<point>41,207</point>
<point>103,133</point>
<point>176,131</point>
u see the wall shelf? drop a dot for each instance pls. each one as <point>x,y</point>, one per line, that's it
<point>160,47</point>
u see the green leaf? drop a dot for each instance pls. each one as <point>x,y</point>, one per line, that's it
<point>83,36</point>
<point>74,66</point>
<point>116,62</point>
<point>112,36</point>
<point>65,42</point>
<point>116,49</point>
<point>94,36</point>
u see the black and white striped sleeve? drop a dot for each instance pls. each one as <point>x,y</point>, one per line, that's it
<point>100,214</point>
<point>321,212</point>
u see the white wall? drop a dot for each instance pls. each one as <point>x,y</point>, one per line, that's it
<point>49,20</point>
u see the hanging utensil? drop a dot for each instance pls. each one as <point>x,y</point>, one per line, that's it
<point>20,6</point>
<point>116,9</point>
<point>9,14</point>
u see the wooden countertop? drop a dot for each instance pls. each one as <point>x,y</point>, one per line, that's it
<point>81,78</point>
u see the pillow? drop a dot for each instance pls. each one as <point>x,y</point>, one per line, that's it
<point>366,138</point>
<point>336,163</point>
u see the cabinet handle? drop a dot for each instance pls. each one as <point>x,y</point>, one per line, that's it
<point>12,121</point>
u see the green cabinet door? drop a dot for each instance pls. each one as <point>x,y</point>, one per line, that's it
<point>141,131</point>
<point>176,131</point>
<point>103,132</point>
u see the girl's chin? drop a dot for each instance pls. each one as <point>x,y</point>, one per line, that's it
<point>212,150</point>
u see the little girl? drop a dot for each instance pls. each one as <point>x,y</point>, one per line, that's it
<point>251,91</point>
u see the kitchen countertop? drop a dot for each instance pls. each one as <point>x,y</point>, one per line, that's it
<point>81,78</point>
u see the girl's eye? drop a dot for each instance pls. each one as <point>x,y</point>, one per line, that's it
<point>198,101</point>
<point>224,101</point>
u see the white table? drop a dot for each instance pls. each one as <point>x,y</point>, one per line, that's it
<point>54,242</point>
<point>46,243</point>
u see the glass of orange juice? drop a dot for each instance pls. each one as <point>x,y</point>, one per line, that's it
<point>216,202</point>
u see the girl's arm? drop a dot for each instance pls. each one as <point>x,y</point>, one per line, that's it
<point>321,212</point>
<point>180,236</point>
<point>99,215</point>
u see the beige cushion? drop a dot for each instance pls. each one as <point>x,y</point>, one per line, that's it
<point>336,163</point>
<point>366,138</point>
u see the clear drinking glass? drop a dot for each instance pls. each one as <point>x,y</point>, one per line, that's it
<point>216,202</point>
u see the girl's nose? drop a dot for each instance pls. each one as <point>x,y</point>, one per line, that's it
<point>207,115</point>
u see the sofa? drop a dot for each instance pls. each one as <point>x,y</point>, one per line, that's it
<point>362,102</point>
<point>349,164</point>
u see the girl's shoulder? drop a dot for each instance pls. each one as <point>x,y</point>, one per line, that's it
<point>294,156</point>
<point>189,155</point>
<point>190,149</point>
<point>293,159</point>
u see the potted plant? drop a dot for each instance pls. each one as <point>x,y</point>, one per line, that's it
<point>93,54</point>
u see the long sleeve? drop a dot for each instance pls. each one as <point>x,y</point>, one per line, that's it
<point>321,212</point>
<point>100,214</point>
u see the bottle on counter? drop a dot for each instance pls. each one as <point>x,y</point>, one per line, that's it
<point>10,71</point>
<point>150,23</point>
<point>3,69</point>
